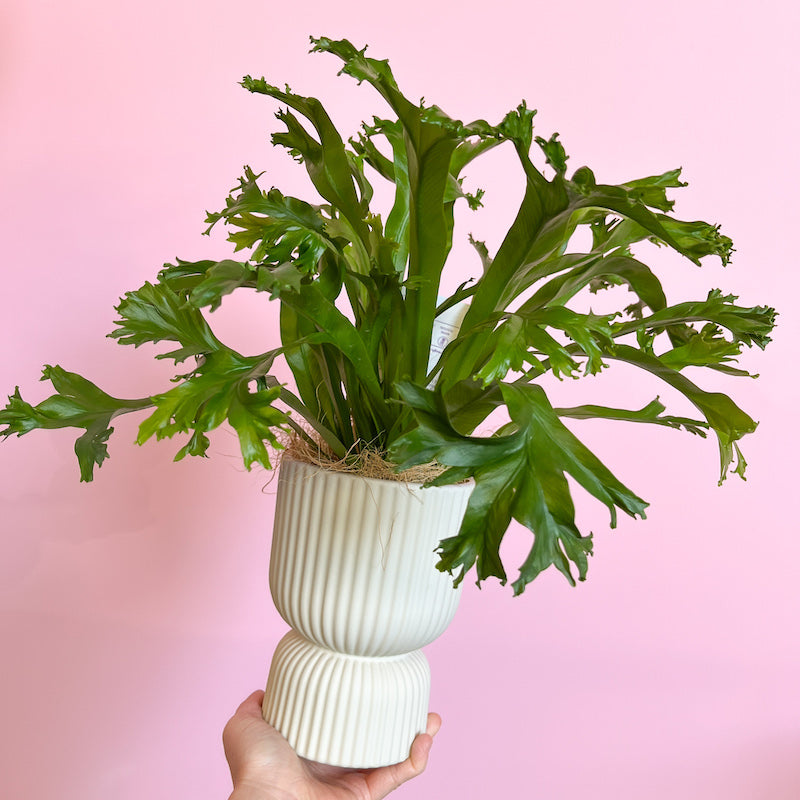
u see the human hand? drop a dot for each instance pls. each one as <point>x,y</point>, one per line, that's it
<point>265,767</point>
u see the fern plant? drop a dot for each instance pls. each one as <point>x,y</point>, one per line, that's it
<point>362,379</point>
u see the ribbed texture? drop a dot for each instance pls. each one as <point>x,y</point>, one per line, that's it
<point>352,570</point>
<point>348,711</point>
<point>353,563</point>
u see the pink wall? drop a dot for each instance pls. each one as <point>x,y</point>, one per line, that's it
<point>134,611</point>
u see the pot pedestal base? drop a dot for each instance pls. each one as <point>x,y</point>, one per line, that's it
<point>345,710</point>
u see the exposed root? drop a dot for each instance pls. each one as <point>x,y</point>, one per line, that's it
<point>367,462</point>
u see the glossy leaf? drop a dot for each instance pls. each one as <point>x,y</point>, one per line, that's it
<point>217,391</point>
<point>358,289</point>
<point>727,420</point>
<point>155,313</point>
<point>276,227</point>
<point>518,476</point>
<point>747,325</point>
<point>652,413</point>
<point>326,160</point>
<point>78,403</point>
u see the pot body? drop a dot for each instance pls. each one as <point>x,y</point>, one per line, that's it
<point>352,571</point>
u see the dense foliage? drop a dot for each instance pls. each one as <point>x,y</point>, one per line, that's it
<point>362,379</point>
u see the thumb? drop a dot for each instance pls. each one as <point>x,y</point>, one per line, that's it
<point>383,780</point>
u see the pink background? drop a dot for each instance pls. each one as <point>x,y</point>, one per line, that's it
<point>134,611</point>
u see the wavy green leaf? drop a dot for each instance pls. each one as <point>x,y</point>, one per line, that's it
<point>155,313</point>
<point>613,269</point>
<point>707,347</point>
<point>652,191</point>
<point>652,413</point>
<point>727,420</point>
<point>430,139</point>
<point>522,336</point>
<point>219,390</point>
<point>747,325</point>
<point>519,476</point>
<point>325,160</point>
<point>78,403</point>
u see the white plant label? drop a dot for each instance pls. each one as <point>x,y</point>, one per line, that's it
<point>445,329</point>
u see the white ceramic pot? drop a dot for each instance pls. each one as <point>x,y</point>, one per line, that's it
<point>352,571</point>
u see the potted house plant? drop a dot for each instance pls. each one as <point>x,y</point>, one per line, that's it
<point>366,391</point>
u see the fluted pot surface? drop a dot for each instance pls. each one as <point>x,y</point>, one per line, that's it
<point>352,571</point>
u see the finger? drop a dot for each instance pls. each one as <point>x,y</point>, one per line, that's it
<point>251,707</point>
<point>434,724</point>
